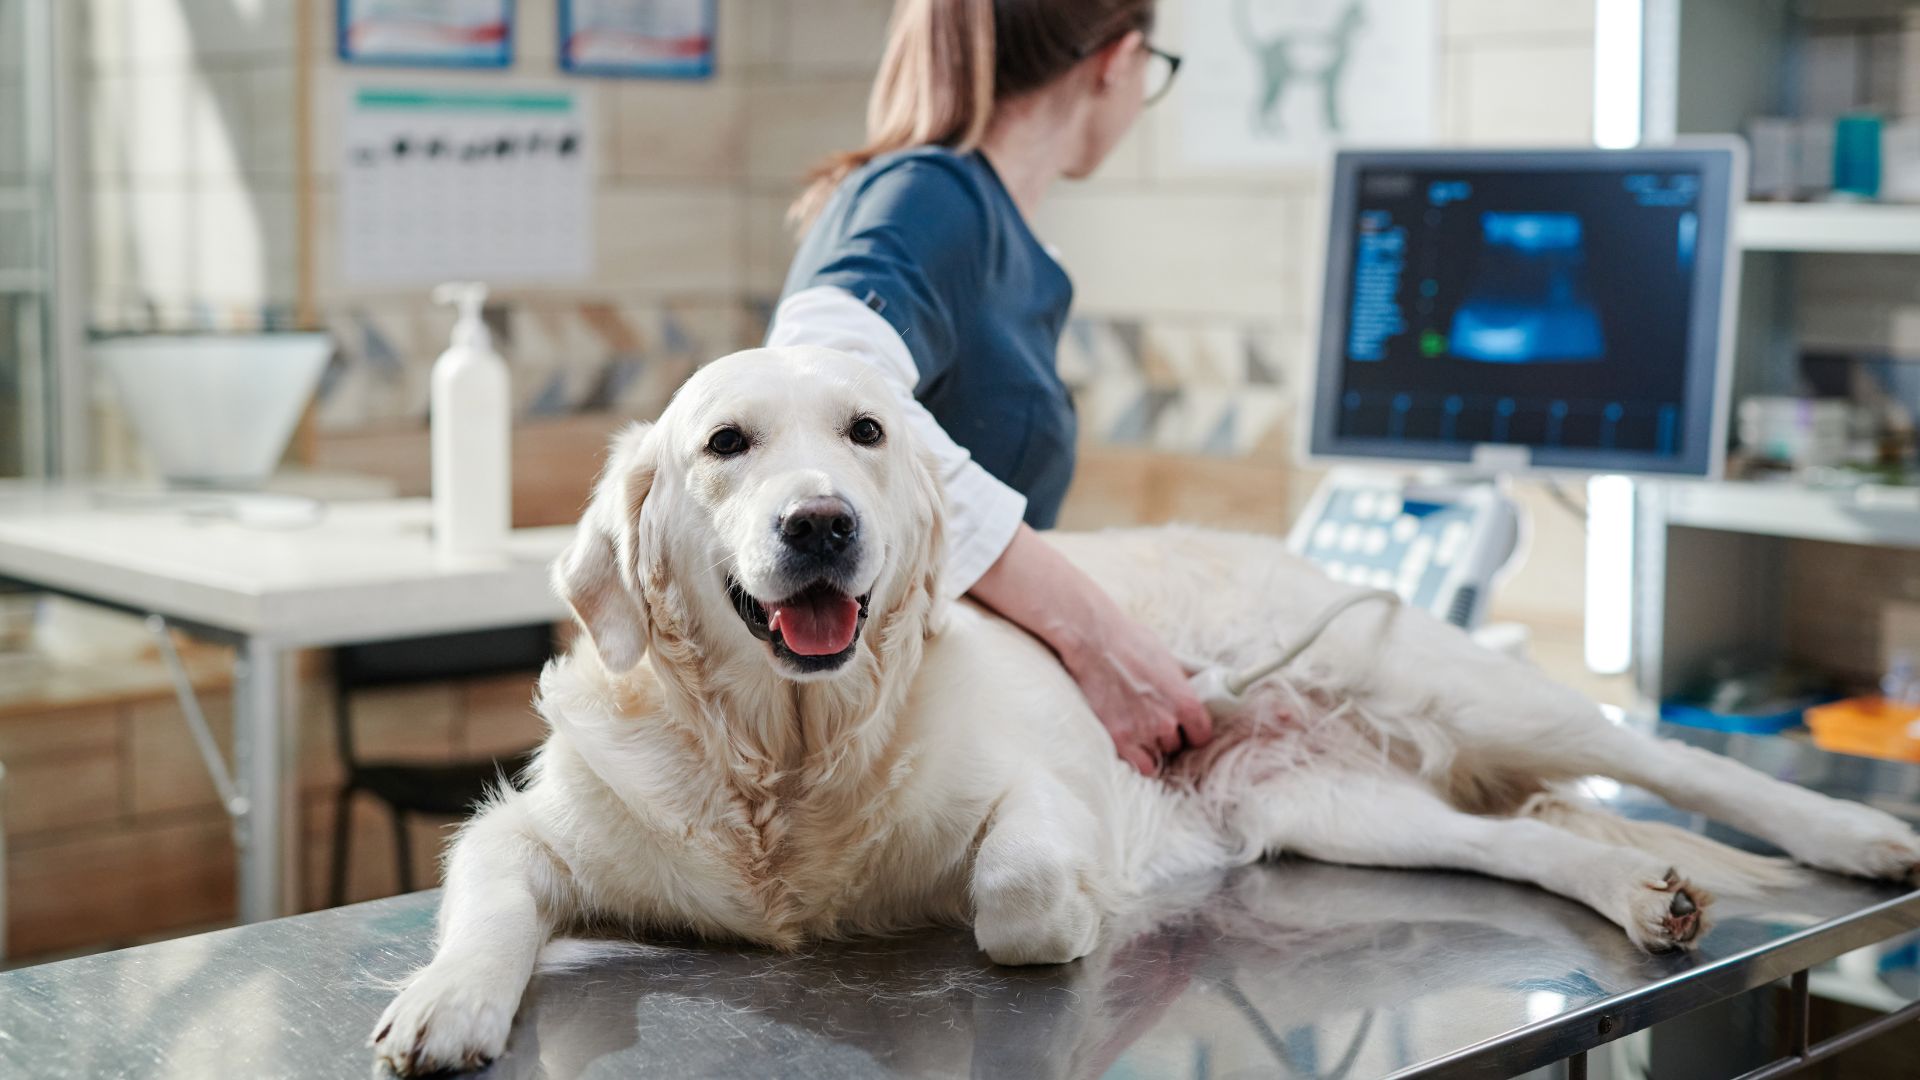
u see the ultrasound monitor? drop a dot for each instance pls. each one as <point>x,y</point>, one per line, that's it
<point>1543,309</point>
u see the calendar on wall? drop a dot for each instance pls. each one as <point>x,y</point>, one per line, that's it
<point>439,183</point>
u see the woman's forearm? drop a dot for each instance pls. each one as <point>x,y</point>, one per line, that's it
<point>1136,688</point>
<point>1034,587</point>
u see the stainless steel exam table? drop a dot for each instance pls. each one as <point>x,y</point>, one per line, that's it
<point>1289,969</point>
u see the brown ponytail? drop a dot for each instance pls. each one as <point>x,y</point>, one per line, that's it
<point>947,63</point>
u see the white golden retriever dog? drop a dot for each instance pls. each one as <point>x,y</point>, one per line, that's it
<point>774,731</point>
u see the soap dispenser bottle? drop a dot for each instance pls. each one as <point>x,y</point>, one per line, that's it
<point>471,430</point>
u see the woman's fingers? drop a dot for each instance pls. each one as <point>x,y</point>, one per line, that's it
<point>1139,759</point>
<point>1196,722</point>
<point>1169,740</point>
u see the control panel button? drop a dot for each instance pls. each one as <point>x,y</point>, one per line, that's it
<point>1418,556</point>
<point>1451,540</point>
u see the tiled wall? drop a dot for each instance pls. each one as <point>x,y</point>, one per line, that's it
<point>189,162</point>
<point>1195,287</point>
<point>1195,299</point>
<point>668,289</point>
<point>1232,257</point>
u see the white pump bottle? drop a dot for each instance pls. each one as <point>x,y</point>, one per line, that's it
<point>471,429</point>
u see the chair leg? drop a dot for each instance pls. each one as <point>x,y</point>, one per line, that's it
<point>403,850</point>
<point>342,835</point>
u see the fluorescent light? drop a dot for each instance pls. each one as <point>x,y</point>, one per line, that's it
<point>1617,66</point>
<point>1609,617</point>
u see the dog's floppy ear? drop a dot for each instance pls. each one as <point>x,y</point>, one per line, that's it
<point>596,574</point>
<point>930,517</point>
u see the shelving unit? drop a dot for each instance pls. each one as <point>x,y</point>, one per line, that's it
<point>1875,514</point>
<point>1710,559</point>
<point>1862,228</point>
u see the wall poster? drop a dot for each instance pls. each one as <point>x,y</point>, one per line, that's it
<point>1282,82</point>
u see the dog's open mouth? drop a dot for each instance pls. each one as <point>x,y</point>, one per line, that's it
<point>814,629</point>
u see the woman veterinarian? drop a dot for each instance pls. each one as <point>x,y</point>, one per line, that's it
<point>918,258</point>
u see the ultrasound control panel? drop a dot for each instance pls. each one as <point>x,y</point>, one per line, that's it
<point>1438,546</point>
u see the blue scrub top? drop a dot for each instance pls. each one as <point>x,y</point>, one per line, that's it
<point>930,239</point>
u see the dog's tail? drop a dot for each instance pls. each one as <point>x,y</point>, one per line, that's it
<point>1708,863</point>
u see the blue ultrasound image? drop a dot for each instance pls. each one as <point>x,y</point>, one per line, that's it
<point>1525,302</point>
<point>1544,309</point>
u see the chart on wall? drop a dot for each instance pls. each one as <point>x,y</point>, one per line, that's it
<point>439,183</point>
<point>1281,82</point>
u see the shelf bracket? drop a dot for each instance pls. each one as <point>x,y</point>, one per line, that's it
<point>218,771</point>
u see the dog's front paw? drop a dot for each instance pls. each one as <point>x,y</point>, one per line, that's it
<point>1028,917</point>
<point>447,1018</point>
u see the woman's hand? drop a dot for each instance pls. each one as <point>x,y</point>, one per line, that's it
<point>1136,687</point>
<point>1139,691</point>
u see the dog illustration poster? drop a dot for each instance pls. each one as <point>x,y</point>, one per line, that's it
<point>1280,82</point>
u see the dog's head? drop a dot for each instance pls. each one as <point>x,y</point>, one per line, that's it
<point>776,507</point>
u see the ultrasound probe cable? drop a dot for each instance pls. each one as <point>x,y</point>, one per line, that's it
<point>1220,692</point>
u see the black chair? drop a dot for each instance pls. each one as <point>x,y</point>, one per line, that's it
<point>438,789</point>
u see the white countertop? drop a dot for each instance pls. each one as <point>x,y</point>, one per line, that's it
<point>364,571</point>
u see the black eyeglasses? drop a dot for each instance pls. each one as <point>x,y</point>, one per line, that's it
<point>1162,66</point>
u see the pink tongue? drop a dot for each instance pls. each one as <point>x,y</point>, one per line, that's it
<point>817,625</point>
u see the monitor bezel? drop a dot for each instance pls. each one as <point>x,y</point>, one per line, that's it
<point>1721,162</point>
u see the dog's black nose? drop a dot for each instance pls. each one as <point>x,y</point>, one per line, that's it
<point>821,527</point>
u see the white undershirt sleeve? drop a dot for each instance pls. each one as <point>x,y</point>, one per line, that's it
<point>982,512</point>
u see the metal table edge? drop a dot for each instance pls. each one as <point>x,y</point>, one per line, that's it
<point>1578,1030</point>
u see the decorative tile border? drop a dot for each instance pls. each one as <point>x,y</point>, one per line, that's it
<point>1180,386</point>
<point>1176,385</point>
<point>565,357</point>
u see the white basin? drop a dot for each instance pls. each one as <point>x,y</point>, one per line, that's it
<point>215,410</point>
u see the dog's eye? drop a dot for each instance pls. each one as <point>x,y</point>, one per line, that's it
<point>866,431</point>
<point>727,442</point>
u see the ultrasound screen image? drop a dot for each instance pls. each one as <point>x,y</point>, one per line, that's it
<point>1542,309</point>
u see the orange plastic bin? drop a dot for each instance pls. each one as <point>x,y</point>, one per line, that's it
<point>1869,726</point>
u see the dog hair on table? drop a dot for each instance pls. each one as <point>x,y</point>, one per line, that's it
<point>777,730</point>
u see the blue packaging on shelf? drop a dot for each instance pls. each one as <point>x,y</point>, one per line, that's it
<point>1773,723</point>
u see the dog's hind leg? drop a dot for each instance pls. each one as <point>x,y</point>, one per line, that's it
<point>1376,819</point>
<point>1505,719</point>
<point>494,917</point>
<point>1815,829</point>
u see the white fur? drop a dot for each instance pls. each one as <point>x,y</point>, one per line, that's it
<point>951,772</point>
